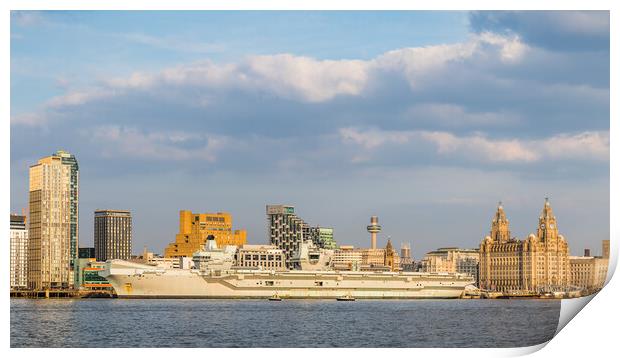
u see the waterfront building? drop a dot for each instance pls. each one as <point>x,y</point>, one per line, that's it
<point>268,257</point>
<point>112,235</point>
<point>373,257</point>
<point>406,262</point>
<point>86,253</point>
<point>326,238</point>
<point>287,231</point>
<point>53,222</point>
<point>589,272</point>
<point>347,258</point>
<point>90,278</point>
<point>85,256</point>
<point>322,237</point>
<point>606,249</point>
<point>452,260</point>
<point>194,229</point>
<point>405,253</point>
<point>88,269</point>
<point>360,259</point>
<point>373,229</point>
<point>19,252</point>
<point>537,264</point>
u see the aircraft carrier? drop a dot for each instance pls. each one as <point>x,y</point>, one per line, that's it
<point>215,277</point>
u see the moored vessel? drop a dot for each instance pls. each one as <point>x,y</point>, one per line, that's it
<point>275,298</point>
<point>214,276</point>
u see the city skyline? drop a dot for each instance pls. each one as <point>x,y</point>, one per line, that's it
<point>424,124</point>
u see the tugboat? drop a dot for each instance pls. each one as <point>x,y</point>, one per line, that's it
<point>346,298</point>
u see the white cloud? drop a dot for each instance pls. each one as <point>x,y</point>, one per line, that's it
<point>373,138</point>
<point>79,97</point>
<point>511,49</point>
<point>305,78</point>
<point>297,77</point>
<point>481,148</point>
<point>581,146</point>
<point>424,62</point>
<point>586,145</point>
<point>284,75</point>
<point>157,145</point>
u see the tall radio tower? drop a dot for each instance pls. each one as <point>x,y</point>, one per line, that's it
<point>373,229</point>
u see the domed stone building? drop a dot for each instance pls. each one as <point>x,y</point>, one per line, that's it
<point>538,264</point>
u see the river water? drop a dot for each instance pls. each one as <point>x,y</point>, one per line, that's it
<point>289,323</point>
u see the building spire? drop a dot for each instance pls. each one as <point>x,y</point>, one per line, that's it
<point>547,225</point>
<point>389,244</point>
<point>500,215</point>
<point>547,212</point>
<point>388,258</point>
<point>500,229</point>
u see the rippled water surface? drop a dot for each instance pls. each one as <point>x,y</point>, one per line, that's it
<point>289,323</point>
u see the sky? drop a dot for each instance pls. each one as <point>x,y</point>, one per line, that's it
<point>426,119</point>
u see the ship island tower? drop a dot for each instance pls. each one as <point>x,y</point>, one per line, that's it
<point>373,229</point>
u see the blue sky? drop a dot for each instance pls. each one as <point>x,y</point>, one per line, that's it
<point>85,45</point>
<point>426,119</point>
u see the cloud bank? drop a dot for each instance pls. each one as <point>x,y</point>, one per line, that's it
<point>517,111</point>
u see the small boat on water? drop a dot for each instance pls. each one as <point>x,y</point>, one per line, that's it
<point>346,298</point>
<point>275,298</point>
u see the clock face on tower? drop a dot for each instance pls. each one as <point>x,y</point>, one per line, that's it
<point>542,226</point>
<point>551,226</point>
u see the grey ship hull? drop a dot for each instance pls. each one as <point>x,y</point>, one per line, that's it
<point>131,280</point>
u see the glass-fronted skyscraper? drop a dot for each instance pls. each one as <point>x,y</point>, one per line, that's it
<point>69,159</point>
<point>53,225</point>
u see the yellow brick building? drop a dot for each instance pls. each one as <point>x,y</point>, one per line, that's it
<point>194,228</point>
<point>452,260</point>
<point>588,273</point>
<point>539,263</point>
